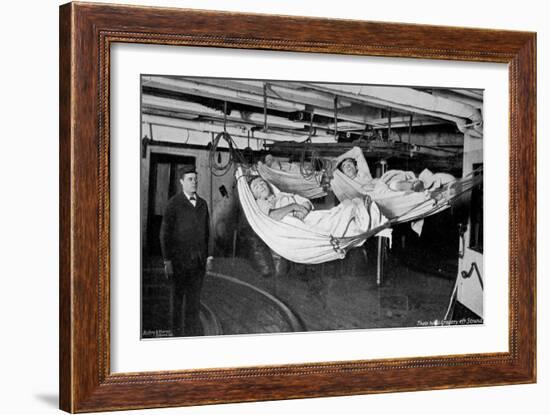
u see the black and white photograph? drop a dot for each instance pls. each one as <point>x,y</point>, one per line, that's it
<point>274,206</point>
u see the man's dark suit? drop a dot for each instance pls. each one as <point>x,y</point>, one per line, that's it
<point>184,240</point>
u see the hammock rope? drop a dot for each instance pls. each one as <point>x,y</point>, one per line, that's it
<point>235,157</point>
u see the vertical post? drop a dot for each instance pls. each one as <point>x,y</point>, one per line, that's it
<point>410,129</point>
<point>389,124</point>
<point>381,241</point>
<point>409,139</point>
<point>380,260</point>
<point>234,243</point>
<point>265,107</point>
<point>383,167</point>
<point>336,118</point>
<point>213,218</point>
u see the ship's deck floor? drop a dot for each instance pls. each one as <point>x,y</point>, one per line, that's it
<point>334,296</point>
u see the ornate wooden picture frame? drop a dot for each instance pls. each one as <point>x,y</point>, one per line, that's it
<point>87,32</point>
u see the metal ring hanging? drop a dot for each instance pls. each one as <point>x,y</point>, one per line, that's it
<point>220,169</point>
<point>216,168</point>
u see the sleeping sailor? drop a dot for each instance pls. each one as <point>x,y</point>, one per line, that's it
<point>353,164</point>
<point>351,217</point>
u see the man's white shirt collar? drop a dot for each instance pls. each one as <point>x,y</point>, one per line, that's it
<point>188,196</point>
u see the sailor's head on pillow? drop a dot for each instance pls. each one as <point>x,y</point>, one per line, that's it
<point>348,167</point>
<point>259,188</point>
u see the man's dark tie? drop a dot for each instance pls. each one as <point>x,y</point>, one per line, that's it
<point>193,200</point>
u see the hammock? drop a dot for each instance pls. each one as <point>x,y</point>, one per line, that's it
<point>298,242</point>
<point>293,181</point>
<point>404,205</point>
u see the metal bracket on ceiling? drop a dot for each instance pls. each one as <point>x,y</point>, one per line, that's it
<point>265,107</point>
<point>336,118</point>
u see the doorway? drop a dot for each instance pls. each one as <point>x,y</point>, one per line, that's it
<point>163,184</point>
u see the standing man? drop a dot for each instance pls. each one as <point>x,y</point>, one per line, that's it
<point>184,240</point>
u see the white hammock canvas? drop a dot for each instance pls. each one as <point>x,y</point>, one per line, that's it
<point>404,205</point>
<point>298,241</point>
<point>292,182</point>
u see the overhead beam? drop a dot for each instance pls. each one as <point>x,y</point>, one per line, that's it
<point>402,122</point>
<point>407,99</point>
<point>396,122</point>
<point>243,85</point>
<point>186,107</point>
<point>310,97</point>
<point>192,110</point>
<point>220,93</point>
<point>286,91</point>
<point>374,150</point>
<point>237,131</point>
<point>474,102</point>
<point>464,109</point>
<point>472,93</point>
